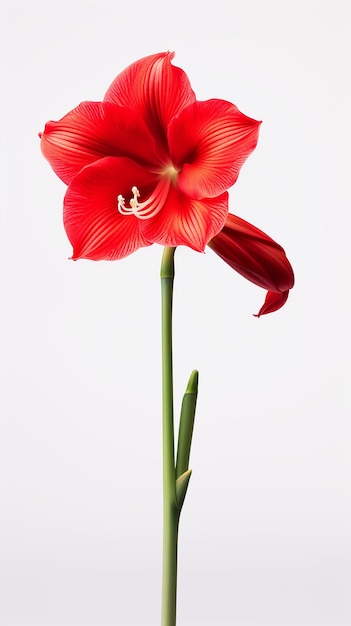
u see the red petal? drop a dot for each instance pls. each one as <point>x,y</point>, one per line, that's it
<point>253,254</point>
<point>188,222</point>
<point>210,141</point>
<point>92,221</point>
<point>154,88</point>
<point>92,131</point>
<point>257,257</point>
<point>273,302</point>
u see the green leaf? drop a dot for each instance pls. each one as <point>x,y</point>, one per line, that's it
<point>186,424</point>
<point>181,487</point>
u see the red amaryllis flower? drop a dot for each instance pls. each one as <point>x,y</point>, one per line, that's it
<point>149,140</point>
<point>258,258</point>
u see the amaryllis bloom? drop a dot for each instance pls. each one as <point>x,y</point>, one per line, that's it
<point>258,258</point>
<point>149,164</point>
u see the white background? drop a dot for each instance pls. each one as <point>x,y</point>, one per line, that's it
<point>265,531</point>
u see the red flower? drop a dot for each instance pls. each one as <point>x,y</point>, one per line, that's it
<point>258,258</point>
<point>152,140</point>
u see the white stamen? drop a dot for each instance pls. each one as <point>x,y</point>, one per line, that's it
<point>145,210</point>
<point>121,201</point>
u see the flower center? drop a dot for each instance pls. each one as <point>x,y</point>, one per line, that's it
<point>149,208</point>
<point>171,172</point>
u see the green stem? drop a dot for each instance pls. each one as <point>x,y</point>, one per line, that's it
<point>170,508</point>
